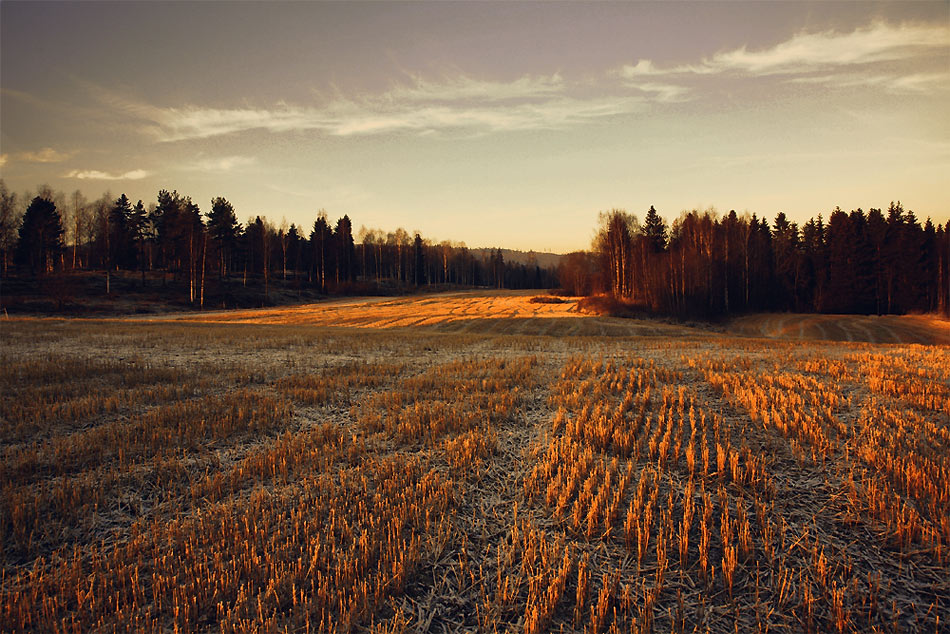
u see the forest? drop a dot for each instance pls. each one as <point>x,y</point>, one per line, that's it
<point>702,265</point>
<point>46,234</point>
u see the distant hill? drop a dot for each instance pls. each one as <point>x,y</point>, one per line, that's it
<point>544,260</point>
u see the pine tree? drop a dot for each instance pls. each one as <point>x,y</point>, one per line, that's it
<point>345,250</point>
<point>40,237</point>
<point>120,240</point>
<point>785,245</point>
<point>419,262</point>
<point>319,247</point>
<point>655,230</point>
<point>224,229</point>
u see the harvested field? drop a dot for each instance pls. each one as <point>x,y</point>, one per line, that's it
<point>502,312</point>
<point>870,329</point>
<point>467,463</point>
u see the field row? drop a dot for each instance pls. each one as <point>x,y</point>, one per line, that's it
<point>249,478</point>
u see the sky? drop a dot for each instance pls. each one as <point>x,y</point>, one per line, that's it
<point>497,124</point>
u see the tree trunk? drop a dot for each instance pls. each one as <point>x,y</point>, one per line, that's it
<point>191,268</point>
<point>725,291</point>
<point>204,259</point>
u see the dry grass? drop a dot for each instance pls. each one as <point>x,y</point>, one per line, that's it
<point>929,330</point>
<point>484,312</point>
<point>472,472</point>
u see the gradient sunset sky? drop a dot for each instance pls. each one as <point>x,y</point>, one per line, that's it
<point>500,124</point>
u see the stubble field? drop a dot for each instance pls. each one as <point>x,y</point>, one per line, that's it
<point>470,463</point>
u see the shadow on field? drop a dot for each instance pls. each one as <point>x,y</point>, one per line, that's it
<point>902,329</point>
<point>560,327</point>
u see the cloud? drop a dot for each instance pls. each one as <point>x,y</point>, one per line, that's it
<point>46,155</point>
<point>464,105</point>
<point>663,92</point>
<point>223,164</point>
<point>643,68</point>
<point>649,79</point>
<point>466,88</point>
<point>454,106</point>
<point>894,83</point>
<point>804,54</point>
<point>3,159</point>
<point>132,175</point>
<point>394,112</point>
<point>879,42</point>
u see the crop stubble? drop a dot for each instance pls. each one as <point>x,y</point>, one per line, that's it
<point>292,476</point>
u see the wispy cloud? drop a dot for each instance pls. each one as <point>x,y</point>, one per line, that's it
<point>464,88</point>
<point>223,163</point>
<point>894,83</point>
<point>649,79</point>
<point>461,105</point>
<point>132,175</point>
<point>879,42</point>
<point>367,117</point>
<point>46,155</point>
<point>860,51</point>
<point>663,92</point>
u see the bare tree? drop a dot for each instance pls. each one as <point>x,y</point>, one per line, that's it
<point>9,223</point>
<point>79,211</point>
<point>614,243</point>
<point>267,244</point>
<point>284,239</point>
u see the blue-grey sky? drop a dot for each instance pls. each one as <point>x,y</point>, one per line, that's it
<point>508,124</point>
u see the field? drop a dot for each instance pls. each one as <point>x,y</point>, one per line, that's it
<point>473,463</point>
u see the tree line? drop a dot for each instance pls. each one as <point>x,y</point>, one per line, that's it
<point>48,232</point>
<point>706,265</point>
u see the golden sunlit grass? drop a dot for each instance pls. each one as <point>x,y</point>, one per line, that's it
<point>869,328</point>
<point>470,474</point>
<point>501,312</point>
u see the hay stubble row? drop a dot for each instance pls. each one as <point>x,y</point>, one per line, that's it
<point>501,467</point>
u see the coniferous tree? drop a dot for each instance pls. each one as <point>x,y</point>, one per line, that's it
<point>345,250</point>
<point>928,269</point>
<point>914,269</point>
<point>40,243</point>
<point>655,230</point>
<point>893,257</point>
<point>419,261</point>
<point>140,232</point>
<point>942,242</point>
<point>816,260</point>
<point>121,239</point>
<point>841,274</point>
<point>320,246</point>
<point>293,249</point>
<point>876,239</point>
<point>224,229</point>
<point>785,246</point>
